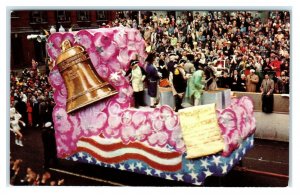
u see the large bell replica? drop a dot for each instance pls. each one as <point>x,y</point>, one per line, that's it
<point>84,85</point>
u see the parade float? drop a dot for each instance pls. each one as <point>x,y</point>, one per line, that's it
<point>95,121</point>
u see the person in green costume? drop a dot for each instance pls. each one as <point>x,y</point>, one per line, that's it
<point>194,89</point>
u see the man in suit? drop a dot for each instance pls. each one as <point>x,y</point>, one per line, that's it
<point>251,81</point>
<point>49,145</point>
<point>153,77</point>
<point>267,89</point>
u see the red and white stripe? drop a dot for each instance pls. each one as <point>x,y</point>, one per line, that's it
<point>114,151</point>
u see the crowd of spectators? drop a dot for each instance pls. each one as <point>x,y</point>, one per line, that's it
<point>229,40</point>
<point>238,44</point>
<point>32,96</point>
<point>29,177</point>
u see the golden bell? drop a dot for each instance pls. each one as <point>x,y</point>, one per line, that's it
<point>84,85</point>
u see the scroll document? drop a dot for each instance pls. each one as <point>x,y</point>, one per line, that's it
<point>200,130</point>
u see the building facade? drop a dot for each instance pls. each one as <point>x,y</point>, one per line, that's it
<point>24,23</point>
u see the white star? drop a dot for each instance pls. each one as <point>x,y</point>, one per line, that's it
<point>148,171</point>
<point>157,172</point>
<point>251,142</point>
<point>77,39</point>
<point>168,177</point>
<point>58,117</point>
<point>204,163</point>
<point>113,166</point>
<point>197,183</point>
<point>50,45</point>
<point>231,162</point>
<point>216,160</point>
<point>240,146</point>
<point>170,147</point>
<point>74,158</point>
<point>127,116</point>
<point>122,167</point>
<point>89,159</point>
<point>138,136</point>
<point>99,49</point>
<point>179,177</point>
<point>244,151</point>
<point>98,162</point>
<point>114,76</point>
<point>236,155</point>
<point>240,158</point>
<point>131,167</point>
<point>139,165</point>
<point>193,175</point>
<point>224,169</point>
<point>207,173</point>
<point>190,166</point>
<point>81,155</point>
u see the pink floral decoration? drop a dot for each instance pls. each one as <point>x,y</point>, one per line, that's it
<point>110,51</point>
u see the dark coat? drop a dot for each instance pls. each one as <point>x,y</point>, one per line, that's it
<point>224,82</point>
<point>49,145</point>
<point>152,80</point>
<point>236,83</point>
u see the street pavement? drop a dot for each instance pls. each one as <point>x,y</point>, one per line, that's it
<point>265,165</point>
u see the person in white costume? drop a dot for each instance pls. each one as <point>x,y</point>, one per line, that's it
<point>15,120</point>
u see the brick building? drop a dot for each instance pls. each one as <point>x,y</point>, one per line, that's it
<point>24,23</point>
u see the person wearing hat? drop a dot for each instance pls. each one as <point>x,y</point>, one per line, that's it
<point>251,81</point>
<point>153,77</point>
<point>178,84</point>
<point>172,61</point>
<point>181,62</point>
<point>163,69</point>
<point>195,87</point>
<point>228,49</point>
<point>137,77</point>
<point>49,145</point>
<point>210,77</point>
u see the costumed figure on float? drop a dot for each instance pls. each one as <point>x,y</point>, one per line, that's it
<point>195,88</point>
<point>153,77</point>
<point>137,76</point>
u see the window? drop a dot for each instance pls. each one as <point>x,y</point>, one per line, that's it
<point>63,16</point>
<point>38,17</point>
<point>101,15</point>
<point>83,16</point>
